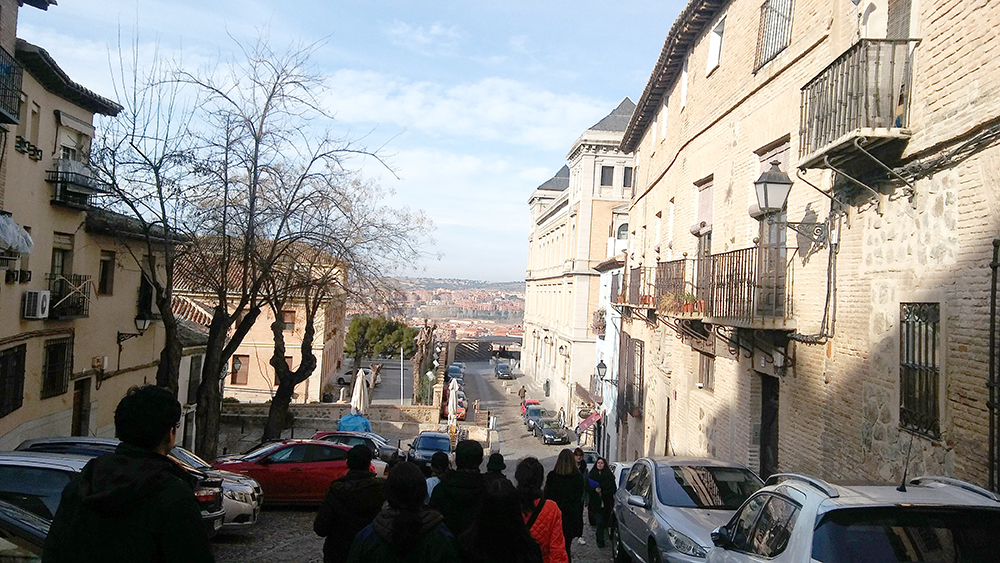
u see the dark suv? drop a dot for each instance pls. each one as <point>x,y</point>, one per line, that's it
<point>425,445</point>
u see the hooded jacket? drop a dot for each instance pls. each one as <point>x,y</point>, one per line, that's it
<point>376,543</point>
<point>458,497</point>
<point>351,503</point>
<point>132,505</point>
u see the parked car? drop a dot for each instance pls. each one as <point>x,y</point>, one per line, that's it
<point>425,445</point>
<point>454,372</point>
<point>22,534</point>
<point>669,506</point>
<point>348,377</point>
<point>292,471</point>
<point>551,431</point>
<point>208,490</point>
<point>503,371</point>
<point>533,414</point>
<point>799,518</point>
<point>380,446</point>
<point>527,403</point>
<point>241,495</point>
<point>620,470</point>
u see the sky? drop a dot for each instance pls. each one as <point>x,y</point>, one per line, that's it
<point>473,104</point>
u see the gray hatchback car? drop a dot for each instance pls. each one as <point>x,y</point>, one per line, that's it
<point>668,507</point>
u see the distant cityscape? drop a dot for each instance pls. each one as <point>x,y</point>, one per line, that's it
<point>462,308</point>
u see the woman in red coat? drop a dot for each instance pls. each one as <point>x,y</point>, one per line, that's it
<point>542,516</point>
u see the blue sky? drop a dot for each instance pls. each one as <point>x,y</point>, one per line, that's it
<point>476,103</point>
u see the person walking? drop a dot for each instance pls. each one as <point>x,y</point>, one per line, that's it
<point>565,485</point>
<point>405,530</point>
<point>522,393</point>
<point>581,461</point>
<point>439,466</point>
<point>499,534</point>
<point>494,468</point>
<point>135,504</point>
<point>541,516</point>
<point>350,504</point>
<point>601,486</point>
<point>460,492</point>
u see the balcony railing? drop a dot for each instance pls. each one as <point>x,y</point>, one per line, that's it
<point>867,87</point>
<point>750,286</point>
<point>73,183</point>
<point>638,288</point>
<point>70,296</point>
<point>11,75</point>
<point>676,291</point>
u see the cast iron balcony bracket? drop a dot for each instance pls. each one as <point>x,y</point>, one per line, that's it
<point>814,231</point>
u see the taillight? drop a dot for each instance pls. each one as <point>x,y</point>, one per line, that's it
<point>206,495</point>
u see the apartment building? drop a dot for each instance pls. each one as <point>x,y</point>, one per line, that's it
<point>570,224</point>
<point>844,332</point>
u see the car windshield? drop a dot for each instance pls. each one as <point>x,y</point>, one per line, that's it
<point>534,411</point>
<point>503,368</point>
<point>261,451</point>
<point>692,486</point>
<point>438,443</point>
<point>549,423</point>
<point>35,489</point>
<point>907,534</point>
<point>189,458</point>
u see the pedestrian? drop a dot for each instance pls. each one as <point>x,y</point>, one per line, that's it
<point>541,516</point>
<point>565,485</point>
<point>350,504</point>
<point>460,492</point>
<point>405,530</point>
<point>135,504</point>
<point>499,534</point>
<point>581,461</point>
<point>494,468</point>
<point>601,486</point>
<point>439,466</point>
<point>522,393</point>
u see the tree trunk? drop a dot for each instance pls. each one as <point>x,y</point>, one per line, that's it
<point>278,415</point>
<point>167,373</point>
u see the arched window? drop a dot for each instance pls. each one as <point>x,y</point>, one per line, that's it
<point>622,232</point>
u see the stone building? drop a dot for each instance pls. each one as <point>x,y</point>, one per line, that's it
<point>570,225</point>
<point>832,334</point>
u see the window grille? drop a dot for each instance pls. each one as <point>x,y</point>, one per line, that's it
<point>58,365</point>
<point>775,30</point>
<point>919,367</point>
<point>11,379</point>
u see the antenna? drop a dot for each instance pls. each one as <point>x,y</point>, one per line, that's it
<point>906,465</point>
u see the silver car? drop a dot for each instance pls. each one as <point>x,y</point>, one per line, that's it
<point>668,507</point>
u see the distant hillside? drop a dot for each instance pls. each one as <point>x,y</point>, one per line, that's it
<point>431,284</point>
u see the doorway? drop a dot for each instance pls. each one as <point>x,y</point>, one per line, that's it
<point>81,407</point>
<point>768,426</point>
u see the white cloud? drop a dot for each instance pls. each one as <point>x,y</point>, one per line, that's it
<point>434,39</point>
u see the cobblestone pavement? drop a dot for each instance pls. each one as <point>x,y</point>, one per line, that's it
<point>285,534</point>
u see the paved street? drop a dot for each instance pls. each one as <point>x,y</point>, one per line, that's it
<point>285,534</point>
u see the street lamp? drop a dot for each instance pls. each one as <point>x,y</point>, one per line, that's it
<point>141,325</point>
<point>772,190</point>
<point>602,370</point>
<point>237,364</point>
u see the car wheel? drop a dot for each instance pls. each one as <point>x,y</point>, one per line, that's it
<point>654,553</point>
<point>340,380</point>
<point>618,554</point>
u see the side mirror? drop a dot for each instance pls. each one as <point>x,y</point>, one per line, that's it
<point>636,500</point>
<point>721,537</point>
<point>410,445</point>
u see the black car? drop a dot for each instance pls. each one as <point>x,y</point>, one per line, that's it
<point>551,431</point>
<point>425,445</point>
<point>533,414</point>
<point>503,371</point>
<point>24,529</point>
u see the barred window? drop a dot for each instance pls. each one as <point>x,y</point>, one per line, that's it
<point>58,366</point>
<point>775,30</point>
<point>638,379</point>
<point>11,379</point>
<point>706,371</point>
<point>919,367</point>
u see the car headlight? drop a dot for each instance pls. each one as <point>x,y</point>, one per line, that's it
<point>684,544</point>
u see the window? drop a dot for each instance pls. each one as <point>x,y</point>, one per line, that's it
<point>899,19</point>
<point>11,379</point>
<point>663,118</point>
<point>68,153</point>
<point>630,364</point>
<point>684,84</point>
<point>706,371</point>
<point>294,454</point>
<point>106,275</point>
<point>764,525</point>
<point>607,175</point>
<point>919,367</point>
<point>57,367</point>
<point>325,453</point>
<point>288,318</point>
<point>240,376</point>
<point>627,177</point>
<point>622,233</point>
<point>775,30</point>
<point>715,46</point>
<point>194,379</point>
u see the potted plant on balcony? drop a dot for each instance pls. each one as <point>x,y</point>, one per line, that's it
<point>688,299</point>
<point>600,323</point>
<point>668,303</point>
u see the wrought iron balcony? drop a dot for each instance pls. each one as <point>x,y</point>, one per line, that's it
<point>70,296</point>
<point>677,295</point>
<point>863,96</point>
<point>638,288</point>
<point>750,288</point>
<point>11,75</point>
<point>73,183</point>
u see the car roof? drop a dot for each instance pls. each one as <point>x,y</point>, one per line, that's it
<point>310,441</point>
<point>68,440</point>
<point>63,462</point>
<point>434,434</point>
<point>692,461</point>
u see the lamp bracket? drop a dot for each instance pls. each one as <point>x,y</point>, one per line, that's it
<point>123,336</point>
<point>816,232</point>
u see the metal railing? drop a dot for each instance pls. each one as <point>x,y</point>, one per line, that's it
<point>70,295</point>
<point>73,183</point>
<point>868,86</point>
<point>750,284</point>
<point>676,291</point>
<point>639,287</point>
<point>11,75</point>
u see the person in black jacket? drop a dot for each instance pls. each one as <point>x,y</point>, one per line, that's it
<point>460,492</point>
<point>351,503</point>
<point>499,534</point>
<point>135,504</point>
<point>565,485</point>
<point>494,469</point>
<point>601,486</point>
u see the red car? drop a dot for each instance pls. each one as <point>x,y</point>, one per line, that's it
<point>524,405</point>
<point>292,470</point>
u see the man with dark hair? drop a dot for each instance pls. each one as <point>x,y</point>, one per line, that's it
<point>135,504</point>
<point>460,493</point>
<point>439,466</point>
<point>351,503</point>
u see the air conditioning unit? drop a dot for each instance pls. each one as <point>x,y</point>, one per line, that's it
<point>35,304</point>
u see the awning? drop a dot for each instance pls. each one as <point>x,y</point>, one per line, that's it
<point>588,422</point>
<point>13,237</point>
